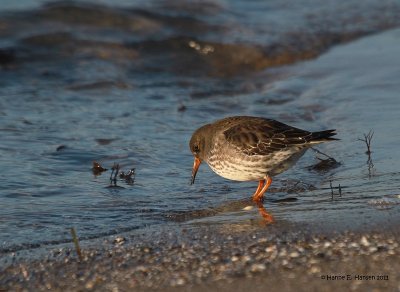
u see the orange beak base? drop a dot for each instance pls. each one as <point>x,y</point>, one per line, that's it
<point>196,165</point>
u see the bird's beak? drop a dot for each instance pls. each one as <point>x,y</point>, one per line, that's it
<point>196,165</point>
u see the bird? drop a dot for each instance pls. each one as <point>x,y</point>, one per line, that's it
<point>246,148</point>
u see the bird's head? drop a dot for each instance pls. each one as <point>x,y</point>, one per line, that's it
<point>199,146</point>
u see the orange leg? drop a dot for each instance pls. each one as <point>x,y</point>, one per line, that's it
<point>261,189</point>
<point>263,186</point>
<point>260,185</point>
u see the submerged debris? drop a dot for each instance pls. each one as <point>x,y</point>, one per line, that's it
<point>339,189</point>
<point>181,108</point>
<point>61,147</point>
<point>114,171</point>
<point>299,187</point>
<point>129,176</point>
<point>324,164</point>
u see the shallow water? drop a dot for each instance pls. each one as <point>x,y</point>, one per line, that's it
<point>130,86</point>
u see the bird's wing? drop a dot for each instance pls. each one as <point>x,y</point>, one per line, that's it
<point>265,137</point>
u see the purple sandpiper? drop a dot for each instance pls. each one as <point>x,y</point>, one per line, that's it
<point>247,148</point>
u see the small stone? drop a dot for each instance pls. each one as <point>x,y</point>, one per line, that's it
<point>234,258</point>
<point>262,240</point>
<point>294,254</point>
<point>315,270</point>
<point>24,272</point>
<point>300,249</point>
<point>364,241</point>
<point>255,268</point>
<point>89,285</point>
<point>216,250</point>
<point>354,245</point>
<point>313,261</point>
<point>180,282</point>
<point>119,240</point>
<point>283,253</point>
<point>327,244</point>
<point>270,248</point>
<point>142,269</point>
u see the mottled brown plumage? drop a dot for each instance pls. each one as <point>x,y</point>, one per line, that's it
<point>250,148</point>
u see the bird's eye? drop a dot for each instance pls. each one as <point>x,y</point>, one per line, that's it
<point>196,149</point>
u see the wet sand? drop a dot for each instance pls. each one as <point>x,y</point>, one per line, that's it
<point>224,258</point>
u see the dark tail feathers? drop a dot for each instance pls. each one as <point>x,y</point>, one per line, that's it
<point>323,136</point>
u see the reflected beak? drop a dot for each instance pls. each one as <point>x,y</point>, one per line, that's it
<point>196,165</point>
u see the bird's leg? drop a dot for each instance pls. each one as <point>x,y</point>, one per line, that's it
<point>261,189</point>
<point>260,185</point>
<point>263,185</point>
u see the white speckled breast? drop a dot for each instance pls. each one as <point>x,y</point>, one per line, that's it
<point>227,162</point>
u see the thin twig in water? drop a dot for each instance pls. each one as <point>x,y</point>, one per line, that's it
<point>114,171</point>
<point>332,192</point>
<point>322,153</point>
<point>367,140</point>
<point>76,243</point>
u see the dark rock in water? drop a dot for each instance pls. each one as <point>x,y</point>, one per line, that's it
<point>97,168</point>
<point>61,147</point>
<point>7,56</point>
<point>182,108</point>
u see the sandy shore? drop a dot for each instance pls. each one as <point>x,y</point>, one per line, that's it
<point>217,258</point>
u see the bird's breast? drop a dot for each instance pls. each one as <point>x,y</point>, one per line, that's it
<point>235,165</point>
